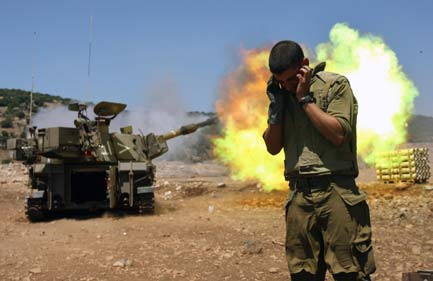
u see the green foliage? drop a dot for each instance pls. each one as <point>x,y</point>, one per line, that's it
<point>39,103</point>
<point>7,123</point>
<point>3,138</point>
<point>18,104</point>
<point>13,98</point>
<point>20,115</point>
<point>12,110</point>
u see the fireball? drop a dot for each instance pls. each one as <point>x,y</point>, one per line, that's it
<point>385,97</point>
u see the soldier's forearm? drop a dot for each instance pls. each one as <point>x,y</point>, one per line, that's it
<point>326,124</point>
<point>273,139</point>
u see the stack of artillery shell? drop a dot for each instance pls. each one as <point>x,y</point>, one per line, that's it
<point>405,165</point>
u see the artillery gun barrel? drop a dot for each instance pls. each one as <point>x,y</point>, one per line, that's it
<point>188,129</point>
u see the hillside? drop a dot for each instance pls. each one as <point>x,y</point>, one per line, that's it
<point>14,112</point>
<point>420,129</point>
<point>14,109</point>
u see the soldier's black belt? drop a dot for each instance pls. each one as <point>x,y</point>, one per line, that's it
<point>317,182</point>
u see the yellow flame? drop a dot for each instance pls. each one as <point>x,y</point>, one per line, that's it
<point>242,108</point>
<point>385,96</point>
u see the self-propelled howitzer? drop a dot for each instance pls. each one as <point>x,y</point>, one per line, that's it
<point>88,167</point>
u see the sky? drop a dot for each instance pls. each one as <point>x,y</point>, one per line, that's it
<point>181,50</point>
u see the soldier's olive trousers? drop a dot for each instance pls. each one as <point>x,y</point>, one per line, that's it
<point>328,227</point>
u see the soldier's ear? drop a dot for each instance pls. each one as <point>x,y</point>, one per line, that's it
<point>305,61</point>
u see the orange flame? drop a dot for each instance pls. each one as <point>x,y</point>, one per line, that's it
<point>242,108</point>
<point>243,104</point>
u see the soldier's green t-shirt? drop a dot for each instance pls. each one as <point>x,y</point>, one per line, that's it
<point>307,152</point>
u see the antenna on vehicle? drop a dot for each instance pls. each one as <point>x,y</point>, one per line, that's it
<point>33,79</point>
<point>90,43</point>
<point>90,53</point>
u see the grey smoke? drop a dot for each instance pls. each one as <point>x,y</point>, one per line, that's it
<point>163,112</point>
<point>58,116</point>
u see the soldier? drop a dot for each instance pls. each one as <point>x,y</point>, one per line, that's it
<point>312,115</point>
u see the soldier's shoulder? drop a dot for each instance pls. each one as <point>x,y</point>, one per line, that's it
<point>331,77</point>
<point>327,76</point>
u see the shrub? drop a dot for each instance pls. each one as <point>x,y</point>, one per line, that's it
<point>20,115</point>
<point>7,123</point>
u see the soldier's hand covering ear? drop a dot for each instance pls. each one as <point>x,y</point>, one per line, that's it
<point>276,97</point>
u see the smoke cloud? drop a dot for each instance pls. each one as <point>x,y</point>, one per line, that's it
<point>163,112</point>
<point>385,97</point>
<point>384,92</point>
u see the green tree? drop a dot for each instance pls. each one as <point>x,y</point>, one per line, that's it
<point>39,102</point>
<point>3,139</point>
<point>7,123</point>
<point>20,115</point>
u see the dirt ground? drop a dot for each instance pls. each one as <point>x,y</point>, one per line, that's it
<point>206,227</point>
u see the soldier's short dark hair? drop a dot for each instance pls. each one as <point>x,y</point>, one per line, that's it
<point>284,55</point>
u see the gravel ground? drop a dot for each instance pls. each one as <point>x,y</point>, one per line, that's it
<point>206,227</point>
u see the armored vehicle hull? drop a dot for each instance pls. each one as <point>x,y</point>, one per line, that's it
<point>89,168</point>
<point>68,187</point>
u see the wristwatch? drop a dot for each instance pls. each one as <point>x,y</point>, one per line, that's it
<point>307,99</point>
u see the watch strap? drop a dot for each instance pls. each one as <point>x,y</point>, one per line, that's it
<point>306,99</point>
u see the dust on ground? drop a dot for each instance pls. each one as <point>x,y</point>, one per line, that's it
<point>206,227</point>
